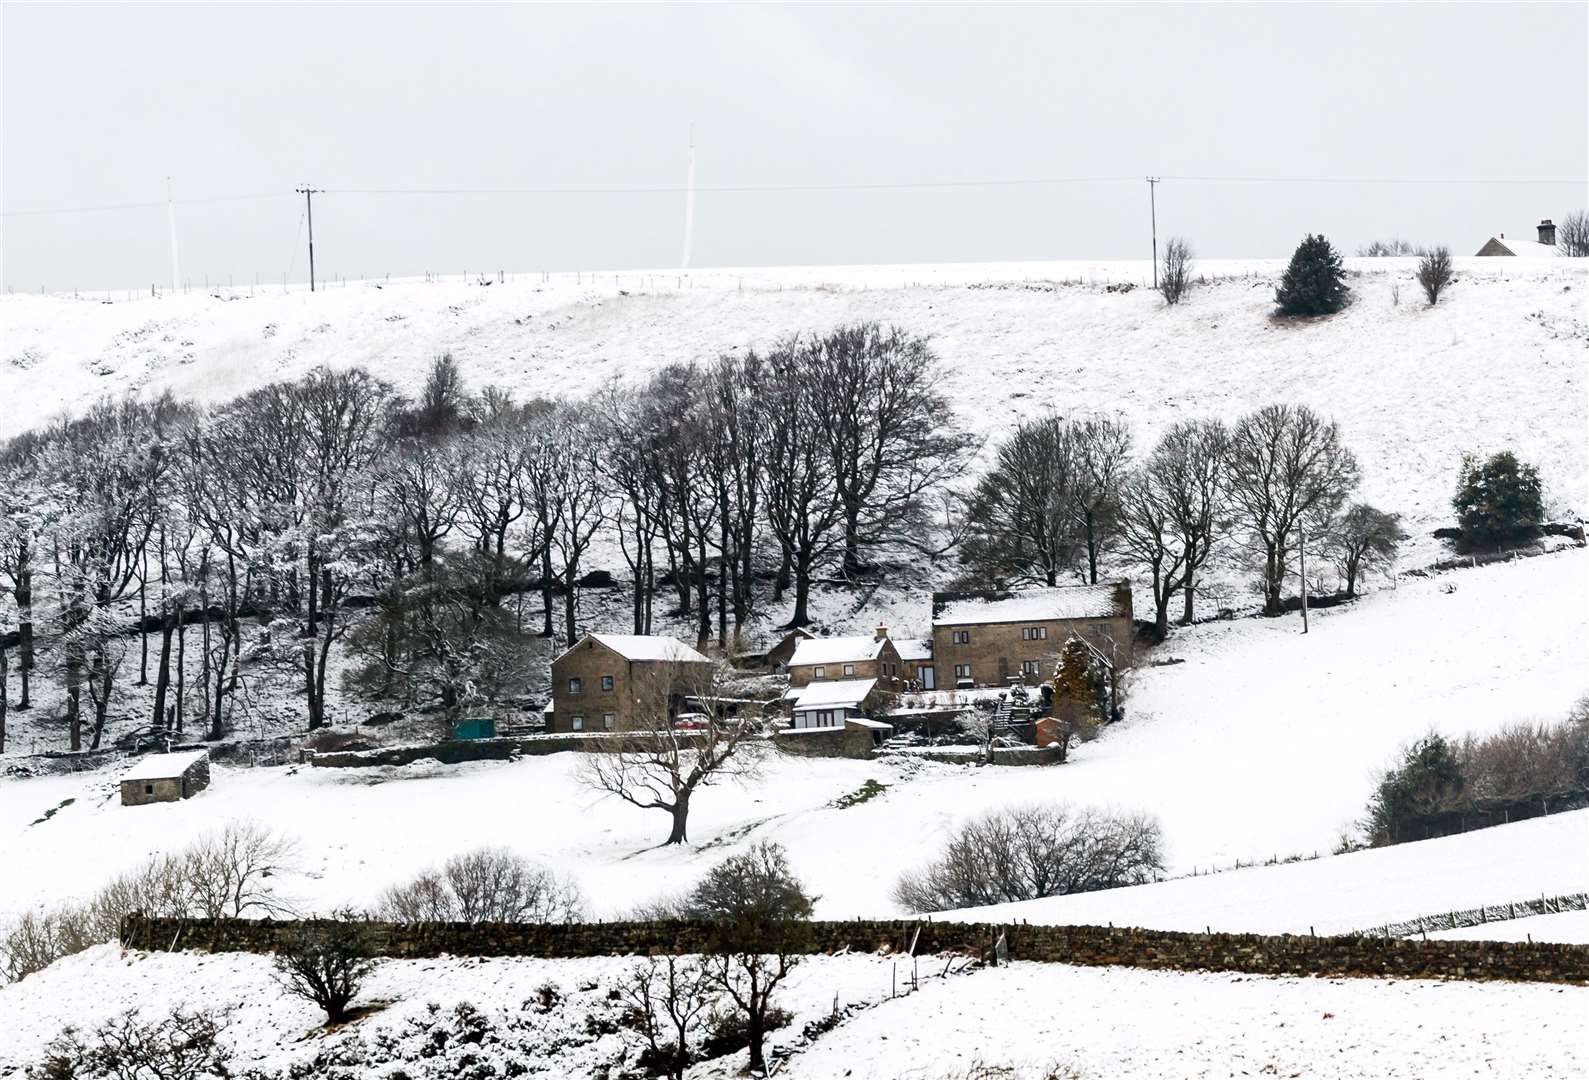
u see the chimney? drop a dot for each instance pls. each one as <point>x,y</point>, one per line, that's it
<point>1547,233</point>
<point>882,632</point>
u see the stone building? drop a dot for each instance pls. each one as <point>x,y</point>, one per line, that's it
<point>819,659</point>
<point>607,681</point>
<point>1543,248</point>
<point>999,638</point>
<point>831,702</point>
<point>166,778</point>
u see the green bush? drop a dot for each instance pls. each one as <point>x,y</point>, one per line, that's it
<point>1314,282</point>
<point>1498,499</point>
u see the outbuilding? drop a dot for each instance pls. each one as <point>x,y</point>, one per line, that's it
<point>166,778</point>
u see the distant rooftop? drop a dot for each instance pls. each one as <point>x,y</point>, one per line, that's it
<point>836,650</point>
<point>1032,605</point>
<point>828,695</point>
<point>164,766</point>
<point>646,647</point>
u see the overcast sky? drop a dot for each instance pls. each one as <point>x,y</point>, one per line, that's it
<point>102,103</point>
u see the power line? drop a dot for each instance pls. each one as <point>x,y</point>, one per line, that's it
<point>902,185</point>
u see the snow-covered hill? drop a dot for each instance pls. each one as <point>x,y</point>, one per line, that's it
<point>1500,362</point>
<point>1263,743</point>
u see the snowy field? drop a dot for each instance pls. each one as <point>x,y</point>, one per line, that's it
<point>1500,362</point>
<point>1093,1022</point>
<point>1263,743</point>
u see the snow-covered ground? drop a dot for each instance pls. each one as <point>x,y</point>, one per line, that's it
<point>1571,927</point>
<point>1340,893</point>
<point>1263,743</point>
<point>1500,362</point>
<point>1113,1022</point>
<point>1093,1022</point>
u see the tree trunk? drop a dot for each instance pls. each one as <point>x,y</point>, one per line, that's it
<point>681,815</point>
<point>802,606</point>
<point>1186,614</point>
<point>754,1029</point>
<point>781,582</point>
<point>24,599</point>
<point>5,694</point>
<point>162,678</point>
<point>546,591</point>
<point>182,665</point>
<point>852,536</point>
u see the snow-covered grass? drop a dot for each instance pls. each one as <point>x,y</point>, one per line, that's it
<point>1337,894</point>
<point>1263,743</point>
<point>1112,1022</point>
<point>1500,361</point>
<point>1571,927</point>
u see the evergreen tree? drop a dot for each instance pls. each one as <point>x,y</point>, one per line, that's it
<point>1412,796</point>
<point>1498,498</point>
<point>1314,282</point>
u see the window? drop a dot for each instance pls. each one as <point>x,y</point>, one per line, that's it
<point>576,685</point>
<point>576,723</point>
<point>849,669</point>
<point>960,637</point>
<point>1034,633</point>
<point>1029,667</point>
<point>148,789</point>
<point>608,719</point>
<point>819,672</point>
<point>962,671</point>
<point>606,682</point>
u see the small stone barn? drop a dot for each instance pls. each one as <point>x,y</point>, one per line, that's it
<point>166,778</point>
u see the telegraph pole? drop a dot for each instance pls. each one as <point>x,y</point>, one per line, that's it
<point>308,194</point>
<point>1302,550</point>
<point>1153,209</point>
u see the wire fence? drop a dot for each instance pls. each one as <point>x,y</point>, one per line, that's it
<point>1479,916</point>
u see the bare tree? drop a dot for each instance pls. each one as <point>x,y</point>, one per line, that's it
<point>1288,470</point>
<point>651,763</point>
<point>748,973</point>
<point>1033,851</point>
<point>1175,275</point>
<point>326,962</point>
<point>485,885</point>
<point>666,996</point>
<point>1021,528</point>
<point>1103,454</point>
<point>1365,539</point>
<point>1148,535</point>
<point>1434,273</point>
<point>1572,235</point>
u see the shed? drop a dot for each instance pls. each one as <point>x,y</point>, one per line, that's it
<point>475,727</point>
<point>830,704</point>
<point>166,778</point>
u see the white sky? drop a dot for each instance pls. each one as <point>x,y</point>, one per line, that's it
<point>101,103</point>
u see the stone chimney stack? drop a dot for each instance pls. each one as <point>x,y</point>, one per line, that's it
<point>882,632</point>
<point>1547,233</point>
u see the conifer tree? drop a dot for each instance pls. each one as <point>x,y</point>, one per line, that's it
<point>1498,498</point>
<point>1314,282</point>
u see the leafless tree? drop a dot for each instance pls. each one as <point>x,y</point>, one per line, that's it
<point>1434,273</point>
<point>1103,454</point>
<point>651,763</point>
<point>1150,539</point>
<point>1364,539</point>
<point>888,432</point>
<point>326,962</point>
<point>181,1045</point>
<point>1021,528</point>
<point>1175,275</point>
<point>1572,235</point>
<point>1288,470</point>
<point>485,885</point>
<point>666,996</point>
<point>1188,469</point>
<point>1028,852</point>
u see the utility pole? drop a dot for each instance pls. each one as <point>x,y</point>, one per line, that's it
<point>1302,550</point>
<point>308,194</point>
<point>171,218</point>
<point>1153,209</point>
<point>689,206</point>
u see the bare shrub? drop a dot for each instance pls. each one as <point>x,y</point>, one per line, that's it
<point>178,1046</point>
<point>231,873</point>
<point>326,962</point>
<point>487,885</point>
<point>1434,273</point>
<point>1028,852</point>
<point>666,996</point>
<point>753,886</point>
<point>1572,235</point>
<point>1175,275</point>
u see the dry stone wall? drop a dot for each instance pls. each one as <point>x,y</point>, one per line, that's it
<point>1084,945</point>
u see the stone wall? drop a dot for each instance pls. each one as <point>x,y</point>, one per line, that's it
<point>1085,945</point>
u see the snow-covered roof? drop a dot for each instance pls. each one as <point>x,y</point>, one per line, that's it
<point>1032,605</point>
<point>828,695</point>
<point>914,648</point>
<point>164,766</point>
<point>1527,248</point>
<point>836,650</point>
<point>875,725</point>
<point>645,647</point>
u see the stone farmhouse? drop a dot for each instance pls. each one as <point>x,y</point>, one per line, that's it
<point>608,681</point>
<point>819,659</point>
<point>166,778</point>
<point>1543,248</point>
<point>1000,638</point>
